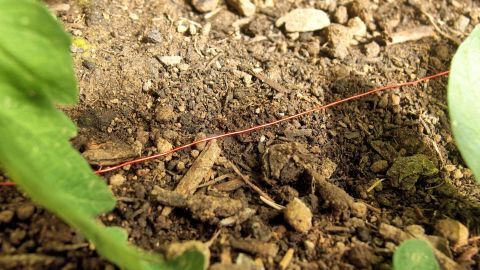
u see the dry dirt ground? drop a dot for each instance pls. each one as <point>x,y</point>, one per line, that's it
<point>354,167</point>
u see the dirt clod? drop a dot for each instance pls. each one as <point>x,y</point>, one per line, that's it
<point>339,38</point>
<point>362,256</point>
<point>379,166</point>
<point>153,36</point>
<point>406,171</point>
<point>205,5</point>
<point>255,247</point>
<point>298,215</point>
<point>341,15</point>
<point>6,216</point>
<point>117,180</point>
<point>453,230</point>
<point>25,211</point>
<point>372,49</point>
<point>209,208</point>
<point>245,7</point>
<point>165,114</point>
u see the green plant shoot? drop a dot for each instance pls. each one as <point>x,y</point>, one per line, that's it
<point>35,74</point>
<point>464,100</point>
<point>415,254</point>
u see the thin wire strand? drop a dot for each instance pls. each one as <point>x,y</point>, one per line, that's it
<point>247,130</point>
<point>285,119</point>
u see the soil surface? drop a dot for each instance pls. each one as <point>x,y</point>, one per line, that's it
<point>158,74</point>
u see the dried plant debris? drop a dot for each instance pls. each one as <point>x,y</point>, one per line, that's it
<point>199,169</point>
<point>111,153</point>
<point>210,209</point>
<point>292,165</point>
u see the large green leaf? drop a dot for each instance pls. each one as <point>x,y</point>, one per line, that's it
<point>415,254</point>
<point>29,37</point>
<point>464,100</point>
<point>36,71</point>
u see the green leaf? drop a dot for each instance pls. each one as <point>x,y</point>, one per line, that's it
<point>34,51</point>
<point>415,254</point>
<point>464,100</point>
<point>36,71</point>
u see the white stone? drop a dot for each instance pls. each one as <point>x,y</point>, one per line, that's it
<point>170,60</point>
<point>304,20</point>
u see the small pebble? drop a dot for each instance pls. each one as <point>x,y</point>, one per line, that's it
<point>25,211</point>
<point>449,167</point>
<point>117,180</point>
<point>245,7</point>
<point>309,245</point>
<point>461,23</point>
<point>192,29</point>
<point>180,166</point>
<point>395,100</point>
<point>164,114</point>
<point>17,235</point>
<point>383,103</point>
<point>200,146</point>
<point>372,49</point>
<point>304,20</point>
<point>163,145</point>
<point>341,15</point>
<point>205,6</point>
<point>379,166</point>
<point>339,39</point>
<point>153,36</point>
<point>359,209</point>
<point>361,257</point>
<point>6,216</point>
<point>183,67</point>
<point>133,16</point>
<point>457,174</point>
<point>360,8</point>
<point>147,85</point>
<point>357,27</point>
<point>182,27</point>
<point>453,230</point>
<point>298,215</point>
<point>194,153</point>
<point>170,60</point>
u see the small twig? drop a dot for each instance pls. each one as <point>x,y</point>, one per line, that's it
<point>214,237</point>
<point>278,87</point>
<point>248,182</point>
<point>439,30</point>
<point>197,172</point>
<point>272,204</point>
<point>372,208</point>
<point>216,180</point>
<point>213,60</point>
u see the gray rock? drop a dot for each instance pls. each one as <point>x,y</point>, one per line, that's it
<point>153,36</point>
